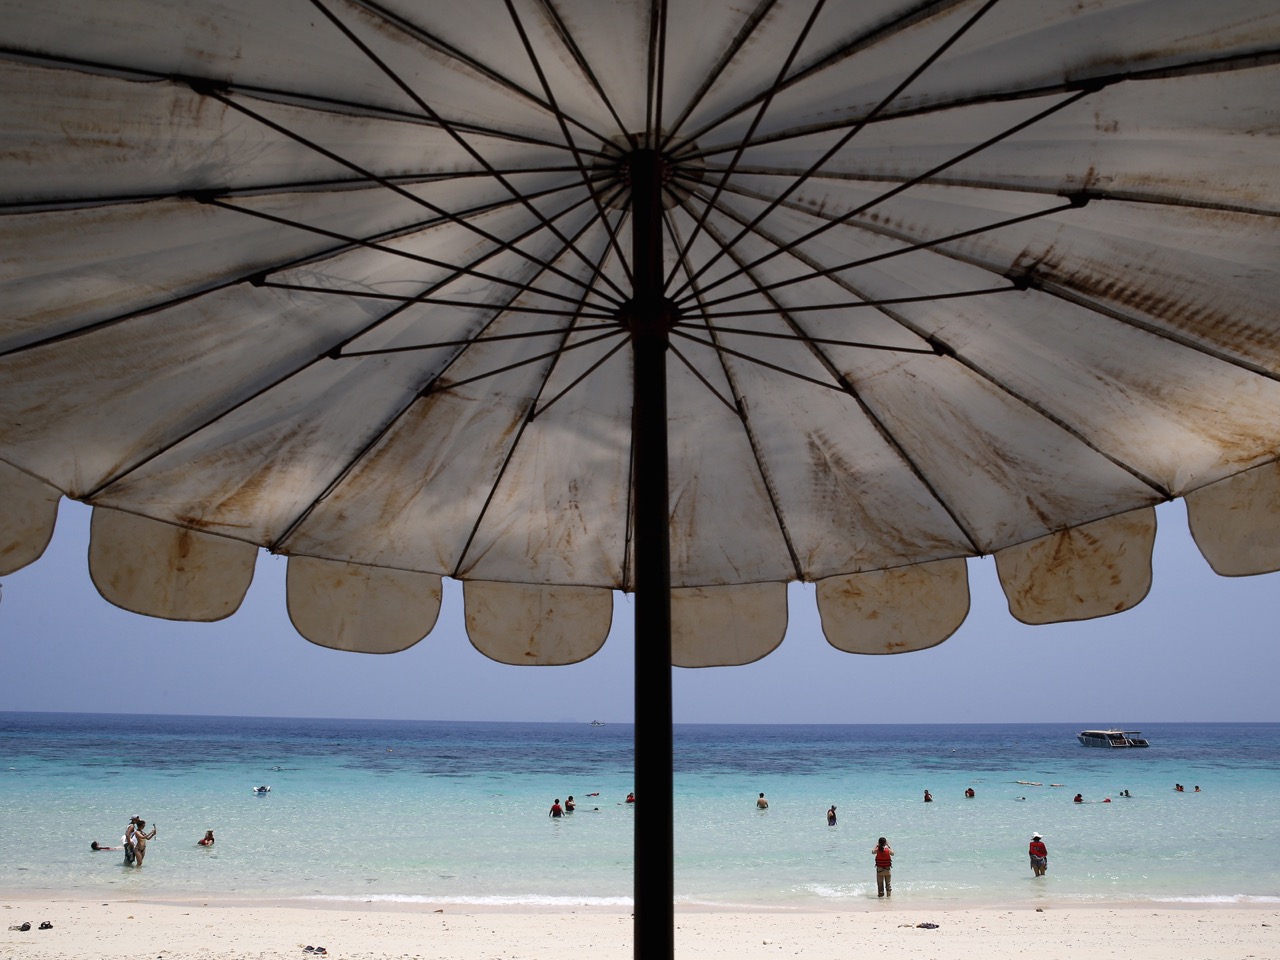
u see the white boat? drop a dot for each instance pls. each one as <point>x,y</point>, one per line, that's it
<point>597,723</point>
<point>1112,738</point>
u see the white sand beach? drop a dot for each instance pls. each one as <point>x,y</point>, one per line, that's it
<point>200,930</point>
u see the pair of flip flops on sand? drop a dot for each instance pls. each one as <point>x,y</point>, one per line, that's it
<point>26,926</point>
<point>318,951</point>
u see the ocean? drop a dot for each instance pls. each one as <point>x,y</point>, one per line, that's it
<point>456,813</point>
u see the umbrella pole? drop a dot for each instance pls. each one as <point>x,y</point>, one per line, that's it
<point>650,317</point>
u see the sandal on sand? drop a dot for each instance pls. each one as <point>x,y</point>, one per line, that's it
<point>46,925</point>
<point>24,927</point>
<point>927,926</point>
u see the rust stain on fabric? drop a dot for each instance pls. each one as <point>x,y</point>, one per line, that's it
<point>1127,287</point>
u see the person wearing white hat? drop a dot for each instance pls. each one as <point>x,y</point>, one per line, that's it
<point>1039,855</point>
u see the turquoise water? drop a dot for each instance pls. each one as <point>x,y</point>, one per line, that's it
<point>457,812</point>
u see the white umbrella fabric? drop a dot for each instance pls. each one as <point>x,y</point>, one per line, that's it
<point>561,297</point>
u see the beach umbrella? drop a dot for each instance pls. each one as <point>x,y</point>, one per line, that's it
<point>566,297</point>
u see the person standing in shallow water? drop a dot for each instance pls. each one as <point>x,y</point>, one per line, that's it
<point>831,816</point>
<point>762,803</point>
<point>1039,855</point>
<point>884,867</point>
<point>556,810</point>
<point>140,838</point>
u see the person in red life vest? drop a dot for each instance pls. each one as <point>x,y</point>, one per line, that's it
<point>928,797</point>
<point>884,865</point>
<point>556,809</point>
<point>206,840</point>
<point>1039,855</point>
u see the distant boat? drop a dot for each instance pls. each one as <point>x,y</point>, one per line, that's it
<point>1111,738</point>
<point>597,723</point>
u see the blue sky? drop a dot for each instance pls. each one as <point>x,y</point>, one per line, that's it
<point>1199,648</point>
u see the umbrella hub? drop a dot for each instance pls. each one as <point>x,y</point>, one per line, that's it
<point>611,172</point>
<point>649,315</point>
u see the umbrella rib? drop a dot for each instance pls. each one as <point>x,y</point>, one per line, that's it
<point>428,301</point>
<point>440,211</point>
<point>266,189</point>
<point>454,384</point>
<point>889,194</point>
<point>835,148</point>
<point>797,338</point>
<point>496,338</point>
<point>680,355</point>
<point>455,135</point>
<point>700,222</point>
<point>561,120</point>
<point>1224,64</point>
<point>713,75</point>
<point>562,31</point>
<point>429,39</point>
<point>1090,193</point>
<point>539,411</point>
<point>657,64</point>
<point>852,305</point>
<point>921,11</point>
<point>741,355</point>
<point>119,318</point>
<point>275,94</point>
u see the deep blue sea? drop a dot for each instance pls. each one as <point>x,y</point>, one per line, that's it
<point>441,813</point>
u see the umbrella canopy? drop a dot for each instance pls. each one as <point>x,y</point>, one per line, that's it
<point>560,297</point>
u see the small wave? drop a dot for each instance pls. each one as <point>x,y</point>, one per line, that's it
<point>525,900</point>
<point>834,893</point>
